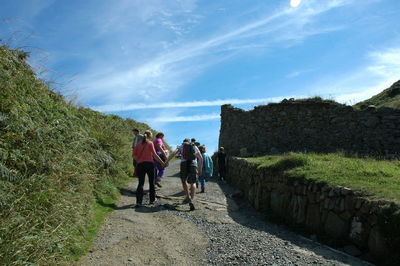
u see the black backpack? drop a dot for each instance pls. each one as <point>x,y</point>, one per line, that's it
<point>188,151</point>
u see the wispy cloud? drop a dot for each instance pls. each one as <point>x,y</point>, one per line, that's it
<point>169,71</point>
<point>382,70</point>
<point>184,118</point>
<point>136,106</point>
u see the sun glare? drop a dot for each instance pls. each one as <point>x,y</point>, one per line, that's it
<point>295,3</point>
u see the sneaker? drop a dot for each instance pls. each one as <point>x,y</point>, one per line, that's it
<point>138,205</point>
<point>154,201</point>
<point>186,200</point>
<point>191,205</point>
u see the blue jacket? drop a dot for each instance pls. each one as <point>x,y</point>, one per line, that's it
<point>208,165</point>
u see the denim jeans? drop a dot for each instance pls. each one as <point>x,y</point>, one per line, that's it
<point>202,179</point>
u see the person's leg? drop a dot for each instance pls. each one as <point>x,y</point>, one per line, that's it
<point>202,181</point>
<point>139,190</point>
<point>192,178</point>
<point>192,191</point>
<point>134,168</point>
<point>184,174</point>
<point>158,173</point>
<point>222,172</point>
<point>150,171</point>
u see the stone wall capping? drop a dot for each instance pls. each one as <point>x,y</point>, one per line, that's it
<point>346,191</point>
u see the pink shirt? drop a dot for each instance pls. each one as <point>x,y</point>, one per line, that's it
<point>144,152</point>
<point>159,141</point>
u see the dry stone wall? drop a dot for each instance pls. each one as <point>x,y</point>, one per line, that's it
<point>309,125</point>
<point>361,225</point>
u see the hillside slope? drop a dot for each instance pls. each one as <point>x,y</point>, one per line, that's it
<point>387,98</point>
<point>56,162</point>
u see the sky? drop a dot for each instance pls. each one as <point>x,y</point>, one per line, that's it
<point>173,63</point>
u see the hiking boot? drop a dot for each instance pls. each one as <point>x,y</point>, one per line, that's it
<point>191,205</point>
<point>186,200</point>
<point>138,205</point>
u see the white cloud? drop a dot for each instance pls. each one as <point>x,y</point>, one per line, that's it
<point>167,71</point>
<point>382,70</point>
<point>184,118</point>
<point>136,106</point>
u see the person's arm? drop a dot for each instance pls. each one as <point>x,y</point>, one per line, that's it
<point>212,165</point>
<point>135,151</point>
<point>160,149</point>
<point>172,154</point>
<point>155,156</point>
<point>199,163</point>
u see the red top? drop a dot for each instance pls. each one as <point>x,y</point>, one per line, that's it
<point>144,152</point>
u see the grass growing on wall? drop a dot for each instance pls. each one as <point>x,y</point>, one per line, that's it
<point>376,178</point>
<point>58,162</point>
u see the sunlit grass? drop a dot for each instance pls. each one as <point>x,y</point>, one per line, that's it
<point>378,178</point>
<point>59,164</point>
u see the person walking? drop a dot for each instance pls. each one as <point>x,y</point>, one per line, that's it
<point>144,154</point>
<point>162,152</point>
<point>189,168</point>
<point>208,167</point>
<point>137,138</point>
<point>221,159</point>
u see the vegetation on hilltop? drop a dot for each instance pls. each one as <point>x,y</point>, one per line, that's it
<point>57,163</point>
<point>387,98</point>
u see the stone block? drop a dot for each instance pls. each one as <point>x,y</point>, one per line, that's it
<point>359,202</point>
<point>335,226</point>
<point>346,191</point>
<point>313,220</point>
<point>376,243</point>
<point>298,209</point>
<point>349,203</point>
<point>366,207</point>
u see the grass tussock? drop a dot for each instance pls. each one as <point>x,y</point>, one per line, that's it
<point>57,162</point>
<point>377,178</point>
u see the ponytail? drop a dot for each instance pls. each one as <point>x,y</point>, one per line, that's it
<point>146,136</point>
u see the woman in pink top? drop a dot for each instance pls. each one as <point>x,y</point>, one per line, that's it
<point>163,154</point>
<point>144,154</point>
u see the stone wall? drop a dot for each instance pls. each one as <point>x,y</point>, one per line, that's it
<point>309,125</point>
<point>364,226</point>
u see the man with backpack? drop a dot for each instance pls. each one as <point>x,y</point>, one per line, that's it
<point>191,166</point>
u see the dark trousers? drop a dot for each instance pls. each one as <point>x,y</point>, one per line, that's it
<point>222,171</point>
<point>143,169</point>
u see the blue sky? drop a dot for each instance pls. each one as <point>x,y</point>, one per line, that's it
<point>172,63</point>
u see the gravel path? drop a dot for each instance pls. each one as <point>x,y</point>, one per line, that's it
<point>221,231</point>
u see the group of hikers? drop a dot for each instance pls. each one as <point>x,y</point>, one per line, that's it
<point>152,157</point>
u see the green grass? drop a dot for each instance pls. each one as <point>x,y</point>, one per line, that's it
<point>59,165</point>
<point>376,178</point>
<point>390,97</point>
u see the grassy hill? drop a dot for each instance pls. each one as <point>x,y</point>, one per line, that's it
<point>387,98</point>
<point>59,164</point>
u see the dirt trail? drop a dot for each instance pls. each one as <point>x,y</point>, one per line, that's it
<point>219,231</point>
